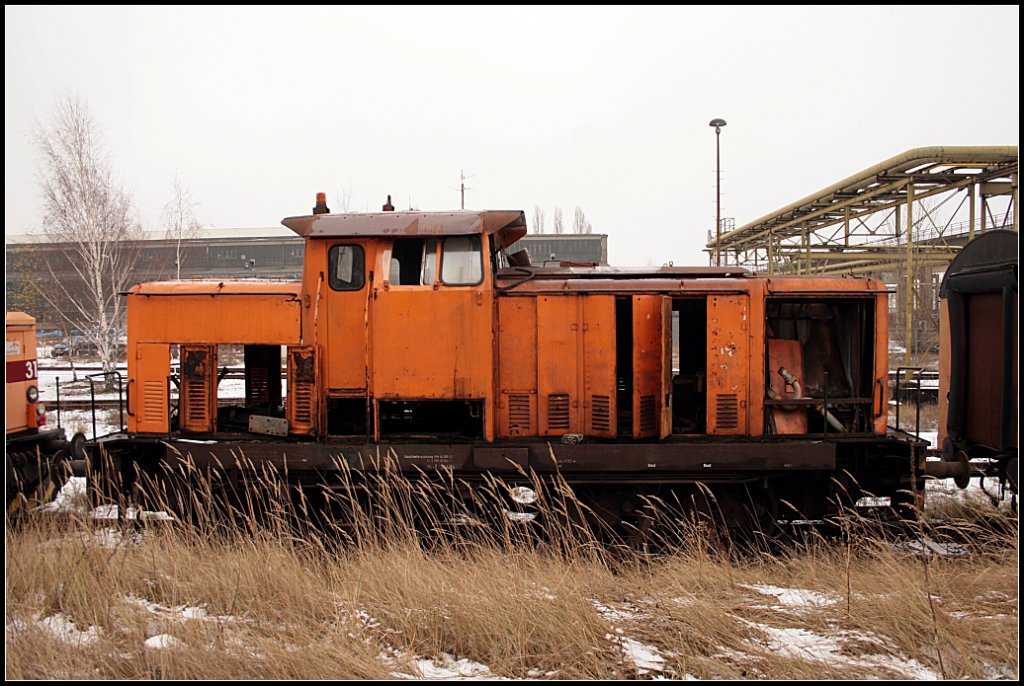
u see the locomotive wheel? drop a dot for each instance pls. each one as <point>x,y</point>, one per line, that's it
<point>12,486</point>
<point>32,480</point>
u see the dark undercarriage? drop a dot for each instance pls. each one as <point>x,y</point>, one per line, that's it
<point>619,485</point>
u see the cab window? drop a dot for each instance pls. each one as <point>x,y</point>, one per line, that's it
<point>346,267</point>
<point>413,262</point>
<point>461,261</point>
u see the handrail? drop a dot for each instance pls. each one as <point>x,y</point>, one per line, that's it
<point>120,398</point>
<point>917,397</point>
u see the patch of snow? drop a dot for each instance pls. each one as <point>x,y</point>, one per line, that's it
<point>71,496</point>
<point>367,620</point>
<point>646,658</point>
<point>807,645</point>
<point>795,598</point>
<point>63,629</point>
<point>612,614</point>
<point>182,612</point>
<point>163,642</point>
<point>537,674</point>
<point>450,668</point>
<point>73,421</point>
<point>981,490</point>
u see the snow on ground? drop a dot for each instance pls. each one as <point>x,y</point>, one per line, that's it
<point>448,668</point>
<point>61,628</point>
<point>163,642</point>
<point>106,421</point>
<point>645,658</point>
<point>834,648</point>
<point>72,498</point>
<point>863,650</point>
<point>181,613</point>
<point>795,599</point>
<point>451,668</point>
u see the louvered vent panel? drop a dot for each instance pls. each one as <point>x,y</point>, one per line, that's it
<point>195,390</point>
<point>302,399</point>
<point>648,416</point>
<point>197,401</point>
<point>727,411</point>
<point>600,414</point>
<point>258,391</point>
<point>153,401</point>
<point>558,411</point>
<point>519,414</point>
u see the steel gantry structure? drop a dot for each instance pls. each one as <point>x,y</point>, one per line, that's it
<point>876,223</point>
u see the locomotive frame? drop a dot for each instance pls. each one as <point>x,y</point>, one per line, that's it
<point>416,336</point>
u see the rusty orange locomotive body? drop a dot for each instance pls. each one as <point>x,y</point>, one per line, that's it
<point>417,332</point>
<point>34,453</point>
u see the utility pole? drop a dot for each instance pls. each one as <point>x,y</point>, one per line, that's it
<point>718,124</point>
<point>462,189</point>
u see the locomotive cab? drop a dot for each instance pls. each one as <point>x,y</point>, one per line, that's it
<point>404,319</point>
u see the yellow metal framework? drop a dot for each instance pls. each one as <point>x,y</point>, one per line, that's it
<point>874,223</point>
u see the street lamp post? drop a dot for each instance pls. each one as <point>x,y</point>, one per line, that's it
<point>718,124</point>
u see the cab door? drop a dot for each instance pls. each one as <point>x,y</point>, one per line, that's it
<point>652,366</point>
<point>728,366</point>
<point>148,388</point>
<point>198,398</point>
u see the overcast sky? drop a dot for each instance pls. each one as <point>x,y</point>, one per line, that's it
<point>607,109</point>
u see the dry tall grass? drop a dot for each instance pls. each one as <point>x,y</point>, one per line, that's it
<point>405,592</point>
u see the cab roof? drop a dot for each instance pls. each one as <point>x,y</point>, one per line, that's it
<point>508,225</point>
<point>19,319</point>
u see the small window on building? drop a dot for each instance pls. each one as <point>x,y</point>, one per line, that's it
<point>346,267</point>
<point>462,263</point>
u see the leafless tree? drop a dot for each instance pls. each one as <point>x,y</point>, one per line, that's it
<point>179,221</point>
<point>343,201</point>
<point>538,219</point>
<point>580,223</point>
<point>559,226</point>
<point>89,218</point>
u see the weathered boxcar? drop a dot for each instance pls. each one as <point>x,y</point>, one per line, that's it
<point>416,335</point>
<point>979,377</point>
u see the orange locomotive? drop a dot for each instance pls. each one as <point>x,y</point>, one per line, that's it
<point>417,332</point>
<point>34,453</point>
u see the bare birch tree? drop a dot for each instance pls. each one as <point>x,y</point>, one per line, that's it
<point>559,226</point>
<point>538,219</point>
<point>343,201</point>
<point>579,222</point>
<point>90,220</point>
<point>179,220</point>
